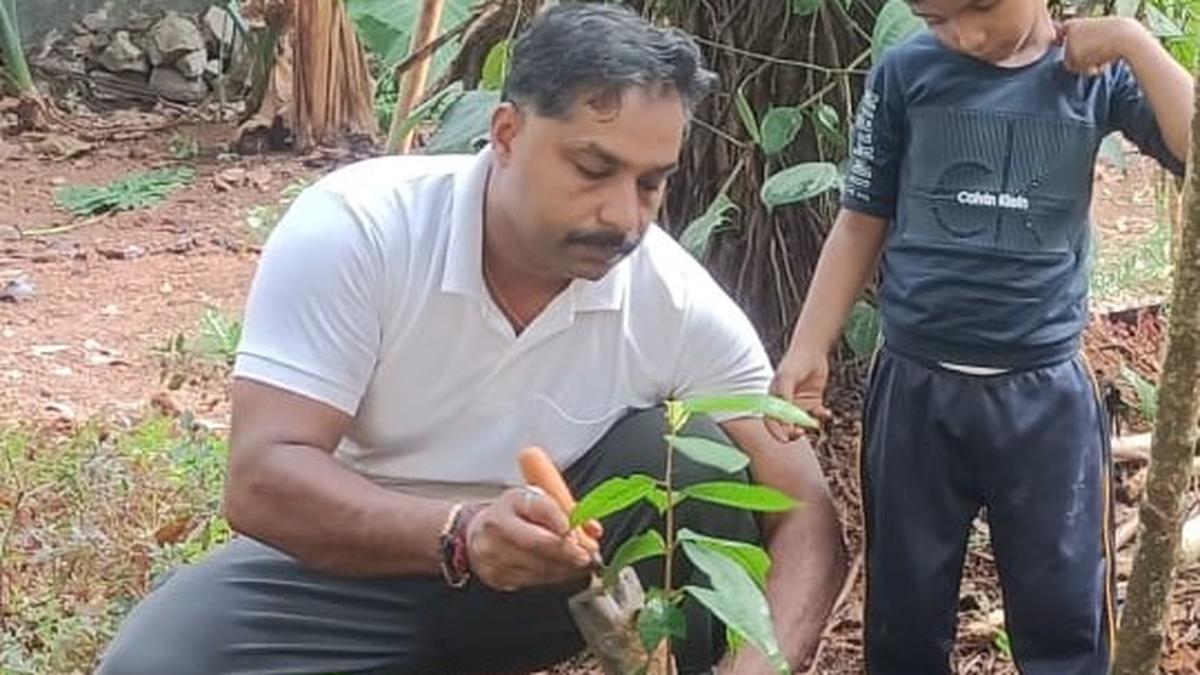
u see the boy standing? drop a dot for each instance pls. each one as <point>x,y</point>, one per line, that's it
<point>971,172</point>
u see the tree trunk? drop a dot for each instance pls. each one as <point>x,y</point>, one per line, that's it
<point>766,258</point>
<point>412,85</point>
<point>319,88</point>
<point>1176,431</point>
<point>333,88</point>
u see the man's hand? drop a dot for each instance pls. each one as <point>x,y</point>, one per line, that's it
<point>801,378</point>
<point>520,540</point>
<point>1092,44</point>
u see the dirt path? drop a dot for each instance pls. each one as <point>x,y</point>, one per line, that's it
<point>107,296</point>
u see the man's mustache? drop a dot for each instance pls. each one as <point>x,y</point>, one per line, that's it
<point>609,241</point>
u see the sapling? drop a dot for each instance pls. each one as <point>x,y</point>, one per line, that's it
<point>737,571</point>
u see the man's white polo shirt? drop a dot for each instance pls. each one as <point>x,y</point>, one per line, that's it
<point>369,297</point>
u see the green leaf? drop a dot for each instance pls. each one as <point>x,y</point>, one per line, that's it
<point>779,128</point>
<point>1112,149</point>
<point>646,545</point>
<point>677,415</point>
<point>758,404</point>
<point>429,108</point>
<point>16,67</point>
<point>1126,7</point>
<point>131,191</point>
<point>862,329</point>
<point>806,7</point>
<point>1161,25</point>
<point>465,122</point>
<point>827,122</point>
<point>1003,644</point>
<point>895,23</point>
<point>710,453</point>
<point>1146,392</point>
<point>747,114</point>
<point>385,28</point>
<point>658,499</point>
<point>698,234</point>
<point>741,496</point>
<point>753,559</point>
<point>735,600</point>
<point>495,66</point>
<point>611,496</point>
<point>659,619</point>
<point>800,183</point>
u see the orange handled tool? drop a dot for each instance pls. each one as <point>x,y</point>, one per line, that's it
<point>540,472</point>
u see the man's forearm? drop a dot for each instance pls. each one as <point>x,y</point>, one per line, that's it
<point>300,500</point>
<point>808,562</point>
<point>808,555</point>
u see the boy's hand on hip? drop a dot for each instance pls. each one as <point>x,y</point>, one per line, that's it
<point>801,378</point>
<point>1092,44</point>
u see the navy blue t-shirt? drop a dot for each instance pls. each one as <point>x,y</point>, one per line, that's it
<point>985,176</point>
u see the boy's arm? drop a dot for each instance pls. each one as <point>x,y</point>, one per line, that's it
<point>846,263</point>
<point>1093,43</point>
<point>1167,85</point>
<point>869,198</point>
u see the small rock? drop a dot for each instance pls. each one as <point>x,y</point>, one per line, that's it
<point>97,21</point>
<point>212,69</point>
<point>123,56</point>
<point>166,288</point>
<point>130,252</point>
<point>163,403</point>
<point>183,245</point>
<point>192,64</point>
<point>174,36</point>
<point>9,233</point>
<point>16,290</point>
<point>61,146</point>
<point>58,181</point>
<point>152,52</point>
<point>219,25</point>
<point>48,350</point>
<point>86,43</point>
<point>229,179</point>
<point>227,243</point>
<point>139,21</point>
<point>63,410</point>
<point>83,164</point>
<point>173,86</point>
<point>260,178</point>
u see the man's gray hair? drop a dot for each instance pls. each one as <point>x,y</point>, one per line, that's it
<point>595,52</point>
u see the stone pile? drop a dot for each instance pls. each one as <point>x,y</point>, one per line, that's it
<point>170,55</point>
